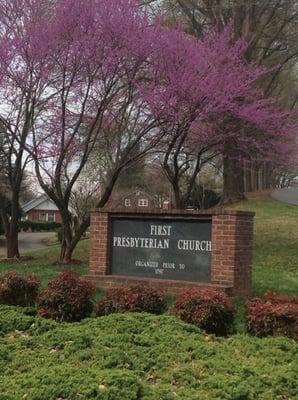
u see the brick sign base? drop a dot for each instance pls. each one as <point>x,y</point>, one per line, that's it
<point>231,254</point>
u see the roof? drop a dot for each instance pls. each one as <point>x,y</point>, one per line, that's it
<point>35,203</point>
<point>137,193</point>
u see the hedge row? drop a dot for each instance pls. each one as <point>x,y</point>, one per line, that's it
<point>36,226</point>
<point>70,297</point>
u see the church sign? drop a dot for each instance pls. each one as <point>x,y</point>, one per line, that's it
<point>172,249</point>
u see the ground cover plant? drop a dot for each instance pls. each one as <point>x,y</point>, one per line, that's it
<point>138,356</point>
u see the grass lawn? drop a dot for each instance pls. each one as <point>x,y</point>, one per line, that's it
<point>45,264</point>
<point>139,357</point>
<point>275,262</point>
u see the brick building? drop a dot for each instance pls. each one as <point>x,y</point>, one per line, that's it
<point>41,209</point>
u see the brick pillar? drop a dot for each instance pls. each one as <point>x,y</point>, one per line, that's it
<point>243,256</point>
<point>232,242</point>
<point>99,243</point>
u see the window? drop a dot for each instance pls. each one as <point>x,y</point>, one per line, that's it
<point>127,202</point>
<point>46,216</point>
<point>143,203</point>
<point>42,216</point>
<point>50,216</point>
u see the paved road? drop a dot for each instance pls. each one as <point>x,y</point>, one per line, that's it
<point>28,241</point>
<point>288,195</point>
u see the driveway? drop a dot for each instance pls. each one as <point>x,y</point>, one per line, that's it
<point>287,195</point>
<point>29,241</point>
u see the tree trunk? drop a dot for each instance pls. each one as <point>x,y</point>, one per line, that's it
<point>70,236</point>
<point>177,196</point>
<point>256,178</point>
<point>253,178</point>
<point>12,245</point>
<point>68,245</point>
<point>70,239</point>
<point>233,177</point>
<point>67,236</point>
<point>65,252</point>
<point>260,178</point>
<point>247,176</point>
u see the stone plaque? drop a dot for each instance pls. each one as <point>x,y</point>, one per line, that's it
<point>178,249</point>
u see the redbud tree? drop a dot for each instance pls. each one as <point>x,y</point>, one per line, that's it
<point>77,68</point>
<point>208,95</point>
<point>98,55</point>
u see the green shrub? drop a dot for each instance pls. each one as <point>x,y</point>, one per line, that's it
<point>39,226</point>
<point>134,298</point>
<point>24,226</point>
<point>209,309</point>
<point>273,315</point>
<point>18,289</point>
<point>68,297</point>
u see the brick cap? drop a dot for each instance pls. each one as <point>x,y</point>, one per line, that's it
<point>172,212</point>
